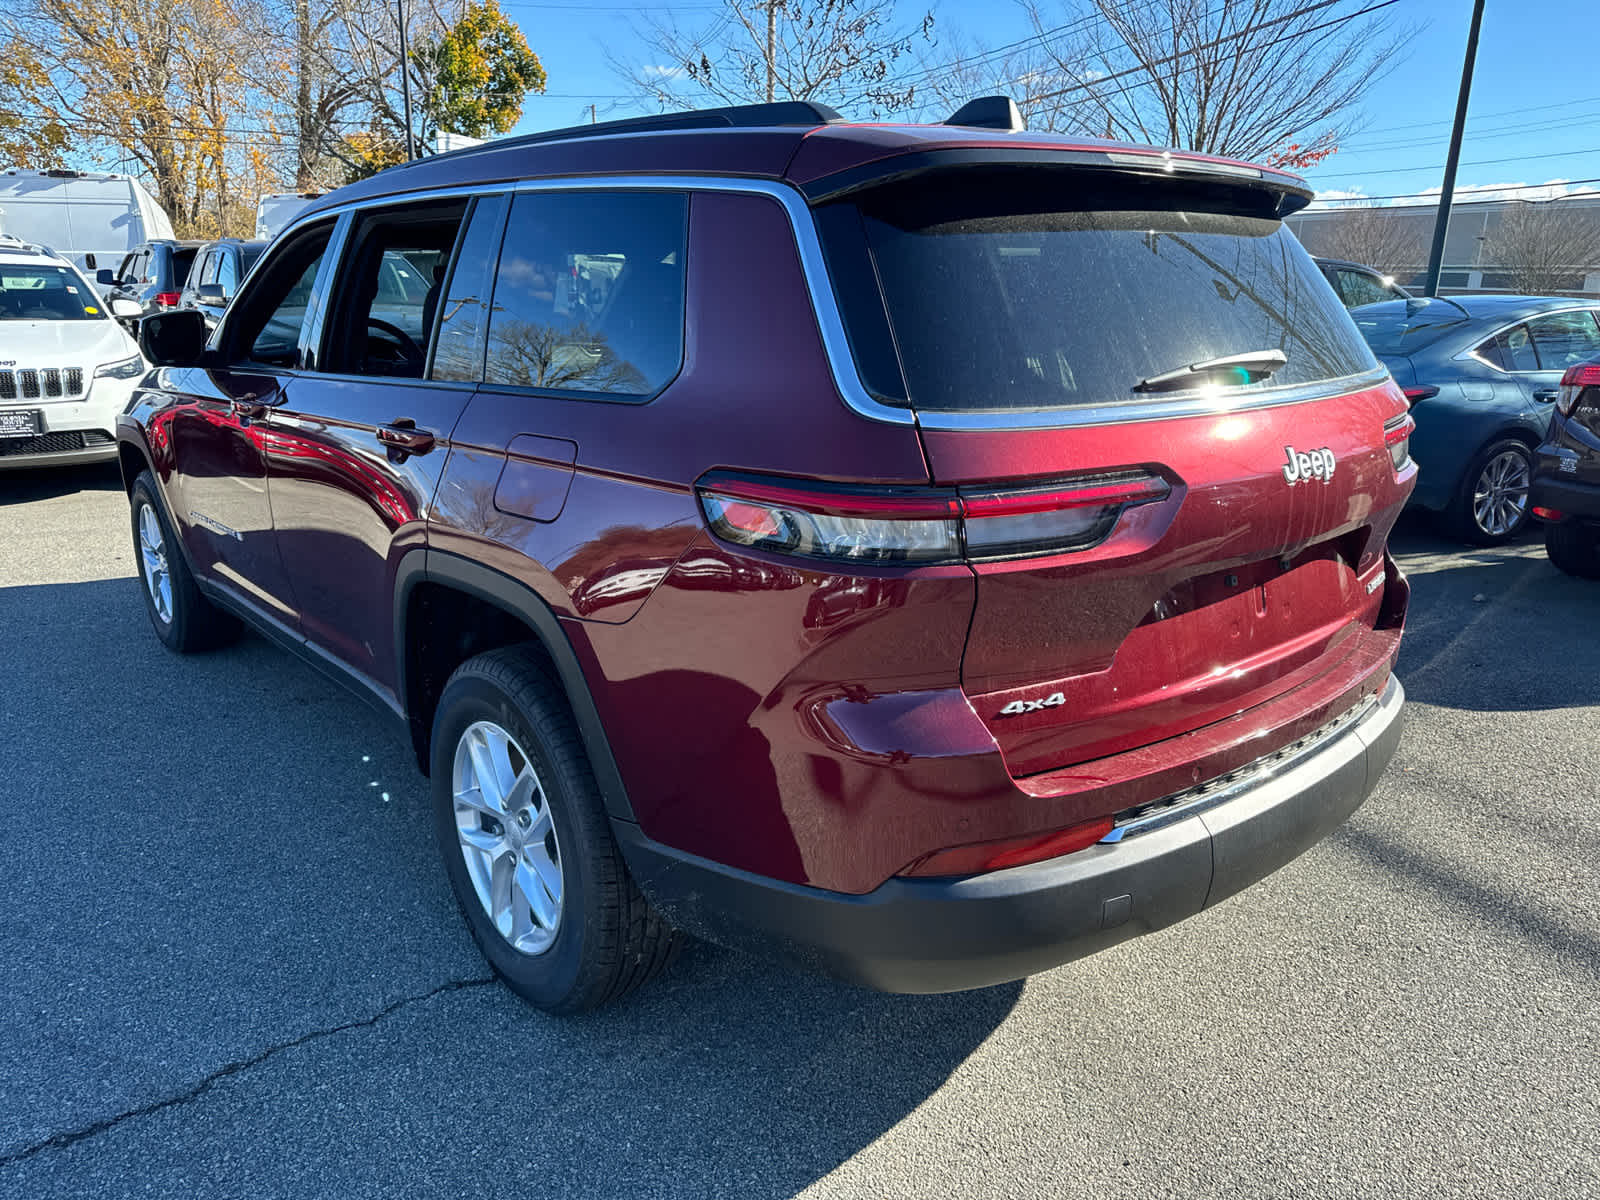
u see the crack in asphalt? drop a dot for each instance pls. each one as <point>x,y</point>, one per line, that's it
<point>60,1141</point>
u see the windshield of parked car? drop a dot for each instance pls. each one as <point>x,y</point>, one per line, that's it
<point>1406,326</point>
<point>42,292</point>
<point>1010,294</point>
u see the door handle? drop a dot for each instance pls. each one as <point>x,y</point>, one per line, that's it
<point>403,435</point>
<point>1546,394</point>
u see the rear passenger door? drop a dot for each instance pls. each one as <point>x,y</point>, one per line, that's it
<point>357,453</point>
<point>586,325</point>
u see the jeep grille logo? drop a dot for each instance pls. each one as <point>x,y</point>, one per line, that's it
<point>1304,465</point>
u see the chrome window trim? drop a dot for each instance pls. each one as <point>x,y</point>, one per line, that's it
<point>1472,351</point>
<point>830,321</point>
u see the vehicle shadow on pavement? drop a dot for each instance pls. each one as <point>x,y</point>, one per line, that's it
<point>20,486</point>
<point>1496,629</point>
<point>233,966</point>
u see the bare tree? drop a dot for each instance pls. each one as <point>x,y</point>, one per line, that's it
<point>1261,79</point>
<point>847,53</point>
<point>1384,238</point>
<point>1546,246</point>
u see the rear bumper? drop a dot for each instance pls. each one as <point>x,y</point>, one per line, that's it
<point>1566,494</point>
<point>936,935</point>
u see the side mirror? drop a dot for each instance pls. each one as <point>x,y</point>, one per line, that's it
<point>210,293</point>
<point>122,308</point>
<point>106,277</point>
<point>173,339</point>
<point>88,261</point>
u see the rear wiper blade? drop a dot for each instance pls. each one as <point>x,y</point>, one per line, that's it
<point>1249,367</point>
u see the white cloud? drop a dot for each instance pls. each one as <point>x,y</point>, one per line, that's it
<point>655,71</point>
<point>1550,190</point>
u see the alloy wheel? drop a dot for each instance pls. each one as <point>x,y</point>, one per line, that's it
<point>153,553</point>
<point>1500,497</point>
<point>508,837</point>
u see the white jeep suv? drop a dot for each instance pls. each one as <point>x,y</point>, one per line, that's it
<point>66,368</point>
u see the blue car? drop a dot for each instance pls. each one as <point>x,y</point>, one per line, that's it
<point>1482,374</point>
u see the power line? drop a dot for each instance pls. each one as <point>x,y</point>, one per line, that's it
<point>1144,68</point>
<point>1482,162</point>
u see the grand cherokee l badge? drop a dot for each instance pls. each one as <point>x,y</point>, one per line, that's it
<point>1303,465</point>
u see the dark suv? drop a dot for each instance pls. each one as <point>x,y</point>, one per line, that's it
<point>927,553</point>
<point>152,275</point>
<point>1566,474</point>
<point>214,279</point>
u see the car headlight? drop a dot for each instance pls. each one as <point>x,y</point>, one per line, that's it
<point>123,368</point>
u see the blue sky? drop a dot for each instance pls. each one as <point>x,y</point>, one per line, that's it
<point>1534,116</point>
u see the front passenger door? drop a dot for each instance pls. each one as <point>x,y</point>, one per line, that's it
<point>219,430</point>
<point>358,451</point>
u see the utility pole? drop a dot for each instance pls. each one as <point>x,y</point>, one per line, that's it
<point>772,49</point>
<point>1441,223</point>
<point>405,78</point>
<point>594,115</point>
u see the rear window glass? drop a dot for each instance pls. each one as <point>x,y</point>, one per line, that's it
<point>992,308</point>
<point>1403,327</point>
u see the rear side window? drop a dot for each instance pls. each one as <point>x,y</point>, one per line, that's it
<point>1510,350</point>
<point>589,294</point>
<point>1562,339</point>
<point>458,353</point>
<point>1057,296</point>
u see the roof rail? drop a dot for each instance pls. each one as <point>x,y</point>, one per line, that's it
<point>802,113</point>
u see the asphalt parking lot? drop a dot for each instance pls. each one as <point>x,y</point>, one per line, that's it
<point>230,964</point>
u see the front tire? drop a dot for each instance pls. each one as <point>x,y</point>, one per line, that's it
<point>182,617</point>
<point>527,843</point>
<point>1493,504</point>
<point>1574,547</point>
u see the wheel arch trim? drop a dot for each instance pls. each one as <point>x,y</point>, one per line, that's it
<point>517,599</point>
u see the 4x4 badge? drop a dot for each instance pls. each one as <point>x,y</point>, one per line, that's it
<point>1053,700</point>
<point>1306,465</point>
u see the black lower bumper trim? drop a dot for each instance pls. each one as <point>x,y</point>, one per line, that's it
<point>1570,497</point>
<point>936,935</point>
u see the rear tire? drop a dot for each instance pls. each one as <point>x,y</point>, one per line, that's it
<point>1574,547</point>
<point>182,617</point>
<point>1493,504</point>
<point>527,843</point>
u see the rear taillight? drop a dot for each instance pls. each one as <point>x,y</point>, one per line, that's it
<point>921,526</point>
<point>1397,436</point>
<point>1413,394</point>
<point>168,299</point>
<point>1012,852</point>
<point>1574,384</point>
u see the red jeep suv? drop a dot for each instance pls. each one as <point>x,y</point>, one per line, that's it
<point>927,554</point>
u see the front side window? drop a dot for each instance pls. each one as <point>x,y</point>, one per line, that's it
<point>268,319</point>
<point>1360,288</point>
<point>45,293</point>
<point>589,296</point>
<point>389,288</point>
<point>208,268</point>
<point>227,274</point>
<point>1562,339</point>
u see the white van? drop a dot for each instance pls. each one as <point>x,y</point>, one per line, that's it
<point>276,209</point>
<point>90,218</point>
